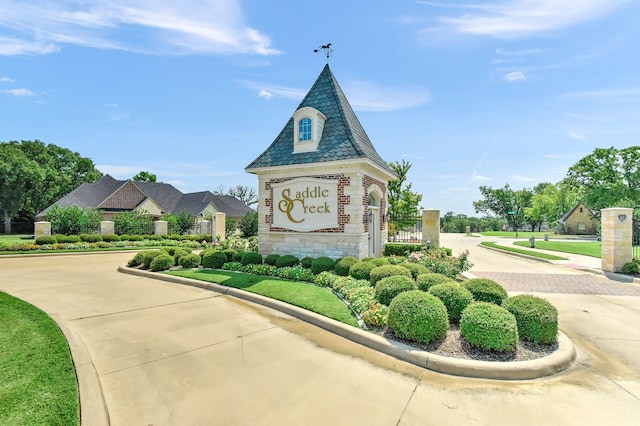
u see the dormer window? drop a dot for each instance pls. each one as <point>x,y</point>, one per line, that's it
<point>308,127</point>
<point>305,129</point>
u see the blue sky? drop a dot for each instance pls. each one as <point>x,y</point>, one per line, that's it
<point>469,92</point>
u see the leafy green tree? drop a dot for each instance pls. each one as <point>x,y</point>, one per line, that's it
<point>229,226</point>
<point>145,176</point>
<point>551,203</point>
<point>505,203</point>
<point>608,177</point>
<point>18,176</point>
<point>185,222</point>
<point>60,171</point>
<point>249,224</point>
<point>73,220</point>
<point>403,203</point>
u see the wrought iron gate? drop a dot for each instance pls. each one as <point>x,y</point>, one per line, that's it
<point>636,237</point>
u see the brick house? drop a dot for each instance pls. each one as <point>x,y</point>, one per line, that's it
<point>580,221</point>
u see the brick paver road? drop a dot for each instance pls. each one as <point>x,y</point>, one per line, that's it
<point>561,283</point>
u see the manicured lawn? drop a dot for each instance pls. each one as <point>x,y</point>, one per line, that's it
<point>316,299</point>
<point>586,248</point>
<point>38,384</point>
<point>16,239</point>
<point>521,251</point>
<point>521,234</point>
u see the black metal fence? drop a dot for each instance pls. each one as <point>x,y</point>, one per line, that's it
<point>636,237</point>
<point>405,229</point>
<point>18,227</point>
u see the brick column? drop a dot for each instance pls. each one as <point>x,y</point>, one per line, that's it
<point>617,232</point>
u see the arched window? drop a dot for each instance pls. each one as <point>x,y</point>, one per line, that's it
<point>305,129</point>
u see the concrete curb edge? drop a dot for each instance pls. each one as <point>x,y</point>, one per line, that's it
<point>558,361</point>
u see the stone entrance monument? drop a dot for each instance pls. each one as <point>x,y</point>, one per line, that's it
<point>322,185</point>
<point>617,235</point>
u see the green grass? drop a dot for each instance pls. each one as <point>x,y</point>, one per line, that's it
<point>521,251</point>
<point>511,234</point>
<point>16,239</point>
<point>38,384</point>
<point>587,248</point>
<point>316,299</point>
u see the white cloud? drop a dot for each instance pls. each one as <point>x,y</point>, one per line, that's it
<point>112,105</point>
<point>6,80</point>
<point>521,52</point>
<point>518,18</point>
<point>576,136</point>
<point>480,178</point>
<point>363,96</point>
<point>611,94</point>
<point>265,94</point>
<point>515,76</point>
<point>18,92</point>
<point>146,26</point>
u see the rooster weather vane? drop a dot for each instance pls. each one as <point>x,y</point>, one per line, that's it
<point>326,49</point>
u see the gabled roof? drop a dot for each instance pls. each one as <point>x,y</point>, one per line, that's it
<point>570,212</point>
<point>108,191</point>
<point>343,137</point>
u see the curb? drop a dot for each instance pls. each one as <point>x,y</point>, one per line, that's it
<point>93,407</point>
<point>558,361</point>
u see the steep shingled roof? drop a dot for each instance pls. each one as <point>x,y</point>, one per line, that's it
<point>166,196</point>
<point>343,137</point>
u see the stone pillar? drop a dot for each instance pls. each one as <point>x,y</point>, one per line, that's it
<point>468,229</point>
<point>431,227</point>
<point>160,227</point>
<point>107,227</point>
<point>41,228</point>
<point>617,232</point>
<point>219,226</point>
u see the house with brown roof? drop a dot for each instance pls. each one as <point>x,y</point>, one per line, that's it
<point>112,196</point>
<point>580,221</point>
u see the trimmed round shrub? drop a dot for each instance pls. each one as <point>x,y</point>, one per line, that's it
<point>415,268</point>
<point>486,290</point>
<point>229,252</point>
<point>136,238</point>
<point>396,260</point>
<point>426,281</point>
<point>178,252</point>
<point>287,260</point>
<point>380,272</point>
<point>321,264</point>
<point>344,264</point>
<point>418,316</point>
<point>149,255</point>
<point>271,259</point>
<point>163,262</point>
<point>68,238</point>
<point>306,262</point>
<point>91,238</point>
<point>378,261</point>
<point>361,270</point>
<point>137,259</point>
<point>46,239</point>
<point>454,296</point>
<point>213,259</point>
<point>237,256</point>
<point>251,258</point>
<point>125,237</point>
<point>110,238</point>
<point>388,288</point>
<point>489,326</point>
<point>631,268</point>
<point>189,261</point>
<point>537,318</point>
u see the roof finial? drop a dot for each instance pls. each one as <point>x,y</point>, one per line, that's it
<point>326,49</point>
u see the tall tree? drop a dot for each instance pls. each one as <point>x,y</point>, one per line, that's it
<point>403,203</point>
<point>18,176</point>
<point>145,176</point>
<point>505,203</point>
<point>608,177</point>
<point>60,171</point>
<point>245,194</point>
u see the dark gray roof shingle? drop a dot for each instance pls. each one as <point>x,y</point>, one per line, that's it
<point>343,137</point>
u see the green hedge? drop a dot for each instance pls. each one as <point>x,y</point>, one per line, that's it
<point>454,296</point>
<point>486,290</point>
<point>489,326</point>
<point>537,318</point>
<point>388,288</point>
<point>418,316</point>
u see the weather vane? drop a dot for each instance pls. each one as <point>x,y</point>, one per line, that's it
<point>326,49</point>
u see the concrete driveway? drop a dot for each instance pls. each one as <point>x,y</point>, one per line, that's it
<point>164,354</point>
